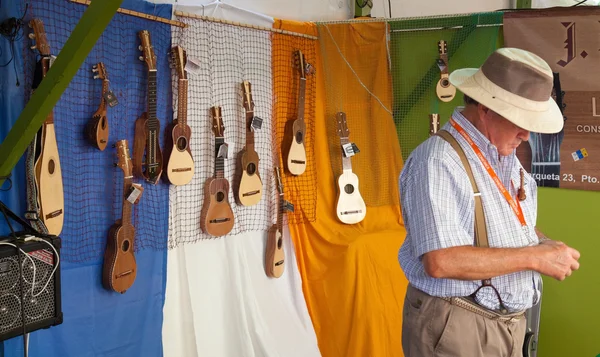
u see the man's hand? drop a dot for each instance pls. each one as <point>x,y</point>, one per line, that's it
<point>555,259</point>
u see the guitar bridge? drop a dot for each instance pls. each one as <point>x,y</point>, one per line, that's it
<point>125,273</point>
<point>351,212</point>
<point>54,214</point>
<point>301,162</point>
<point>184,169</point>
<point>251,193</point>
<point>219,220</point>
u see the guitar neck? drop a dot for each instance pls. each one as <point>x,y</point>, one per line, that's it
<point>219,161</point>
<point>126,214</point>
<point>152,96</point>
<point>182,102</point>
<point>280,213</point>
<point>249,131</point>
<point>346,161</point>
<point>105,85</point>
<point>301,99</point>
<point>45,68</point>
<point>152,120</point>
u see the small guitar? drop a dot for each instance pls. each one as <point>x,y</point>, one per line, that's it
<point>216,217</point>
<point>120,269</point>
<point>275,256</point>
<point>48,173</point>
<point>97,127</point>
<point>147,127</point>
<point>351,207</point>
<point>250,188</point>
<point>296,157</point>
<point>179,160</point>
<point>444,89</point>
<point>434,123</point>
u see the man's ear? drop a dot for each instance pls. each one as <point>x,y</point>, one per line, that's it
<point>483,111</point>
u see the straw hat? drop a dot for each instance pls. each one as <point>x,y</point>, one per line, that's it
<point>516,84</point>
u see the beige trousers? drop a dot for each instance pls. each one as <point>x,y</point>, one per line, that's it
<point>433,327</point>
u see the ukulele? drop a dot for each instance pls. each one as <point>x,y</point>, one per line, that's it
<point>147,126</point>
<point>97,127</point>
<point>275,255</point>
<point>250,188</point>
<point>216,217</point>
<point>445,91</point>
<point>351,207</point>
<point>296,158</point>
<point>48,173</point>
<point>434,123</point>
<point>119,269</point>
<point>179,160</point>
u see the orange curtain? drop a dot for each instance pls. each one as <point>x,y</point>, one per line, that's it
<point>352,282</point>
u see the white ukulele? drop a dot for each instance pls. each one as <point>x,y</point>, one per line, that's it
<point>444,89</point>
<point>351,207</point>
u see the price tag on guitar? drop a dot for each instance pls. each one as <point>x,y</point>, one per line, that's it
<point>111,98</point>
<point>135,193</point>
<point>350,149</point>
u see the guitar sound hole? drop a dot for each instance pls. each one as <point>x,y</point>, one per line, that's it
<point>279,242</point>
<point>445,83</point>
<point>103,123</point>
<point>181,143</point>
<point>220,196</point>
<point>125,245</point>
<point>251,169</point>
<point>349,188</point>
<point>51,167</point>
<point>299,137</point>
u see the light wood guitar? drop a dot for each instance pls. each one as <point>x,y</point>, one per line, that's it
<point>296,156</point>
<point>275,255</point>
<point>179,160</point>
<point>48,173</point>
<point>147,126</point>
<point>434,123</point>
<point>216,217</point>
<point>444,89</point>
<point>250,188</point>
<point>119,268</point>
<point>97,127</point>
<point>351,207</point>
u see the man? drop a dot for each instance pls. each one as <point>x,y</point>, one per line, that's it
<point>447,310</point>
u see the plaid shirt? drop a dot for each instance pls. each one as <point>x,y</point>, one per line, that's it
<point>438,209</point>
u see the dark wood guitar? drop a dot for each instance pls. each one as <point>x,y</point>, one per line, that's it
<point>296,156</point>
<point>97,127</point>
<point>179,161</point>
<point>216,217</point>
<point>147,127</point>
<point>119,269</point>
<point>48,173</point>
<point>275,255</point>
<point>250,188</point>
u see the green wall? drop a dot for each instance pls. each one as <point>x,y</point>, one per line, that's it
<point>570,320</point>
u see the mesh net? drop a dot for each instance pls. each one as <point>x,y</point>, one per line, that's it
<point>224,56</point>
<point>470,40</point>
<point>357,81</point>
<point>93,187</point>
<point>300,190</point>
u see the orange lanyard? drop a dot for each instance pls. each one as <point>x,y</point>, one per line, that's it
<point>514,204</point>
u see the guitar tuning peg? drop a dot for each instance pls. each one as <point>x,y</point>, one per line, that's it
<point>140,48</point>
<point>96,77</point>
<point>33,47</point>
<point>31,35</point>
<point>141,58</point>
<point>115,164</point>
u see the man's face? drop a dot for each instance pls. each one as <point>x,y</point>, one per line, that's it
<point>505,135</point>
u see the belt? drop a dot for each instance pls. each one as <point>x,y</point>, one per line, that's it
<point>489,314</point>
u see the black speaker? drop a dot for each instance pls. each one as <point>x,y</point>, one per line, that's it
<point>29,279</point>
<point>29,285</point>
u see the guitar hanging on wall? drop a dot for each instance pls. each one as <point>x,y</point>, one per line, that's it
<point>147,126</point>
<point>275,255</point>
<point>96,130</point>
<point>216,217</point>
<point>351,207</point>
<point>47,168</point>
<point>444,89</point>
<point>119,268</point>
<point>179,160</point>
<point>250,188</point>
<point>296,157</point>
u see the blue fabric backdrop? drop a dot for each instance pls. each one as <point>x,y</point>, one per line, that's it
<point>96,322</point>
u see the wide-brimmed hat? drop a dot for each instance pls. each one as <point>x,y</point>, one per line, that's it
<point>516,84</point>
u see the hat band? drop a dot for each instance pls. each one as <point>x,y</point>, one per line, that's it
<point>502,94</point>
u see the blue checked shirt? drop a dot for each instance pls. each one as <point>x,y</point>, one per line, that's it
<point>438,209</point>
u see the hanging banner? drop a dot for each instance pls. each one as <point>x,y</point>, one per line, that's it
<point>566,38</point>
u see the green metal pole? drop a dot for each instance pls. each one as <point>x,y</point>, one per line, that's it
<point>83,38</point>
<point>523,4</point>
